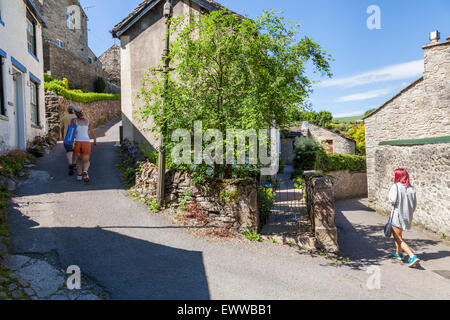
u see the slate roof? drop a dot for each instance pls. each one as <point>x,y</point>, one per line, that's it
<point>149,4</point>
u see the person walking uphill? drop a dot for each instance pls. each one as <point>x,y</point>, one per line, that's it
<point>402,197</point>
<point>64,125</point>
<point>83,135</point>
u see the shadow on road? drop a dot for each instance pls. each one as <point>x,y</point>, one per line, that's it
<point>133,268</point>
<point>366,245</point>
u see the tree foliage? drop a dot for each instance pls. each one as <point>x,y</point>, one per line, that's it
<point>317,118</point>
<point>231,73</point>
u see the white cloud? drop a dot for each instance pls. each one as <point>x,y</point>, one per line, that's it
<point>365,95</point>
<point>394,72</point>
<point>353,113</point>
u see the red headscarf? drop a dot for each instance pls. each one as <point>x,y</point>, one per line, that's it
<point>402,176</point>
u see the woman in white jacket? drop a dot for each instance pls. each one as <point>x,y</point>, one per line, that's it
<point>402,197</point>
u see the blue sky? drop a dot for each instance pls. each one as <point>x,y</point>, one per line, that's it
<point>370,65</point>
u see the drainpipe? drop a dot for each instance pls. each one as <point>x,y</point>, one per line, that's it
<point>162,153</point>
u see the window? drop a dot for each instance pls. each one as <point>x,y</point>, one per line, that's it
<point>89,60</point>
<point>59,43</point>
<point>31,34</point>
<point>34,103</point>
<point>2,98</point>
<point>70,19</point>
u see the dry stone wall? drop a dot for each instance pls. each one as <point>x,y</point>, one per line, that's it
<point>227,202</point>
<point>429,170</point>
<point>349,185</point>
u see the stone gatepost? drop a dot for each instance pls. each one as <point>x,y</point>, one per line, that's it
<point>320,206</point>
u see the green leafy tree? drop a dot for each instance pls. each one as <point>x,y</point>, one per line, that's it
<point>305,153</point>
<point>368,112</point>
<point>231,73</point>
<point>317,118</point>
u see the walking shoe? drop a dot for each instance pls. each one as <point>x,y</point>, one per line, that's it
<point>413,261</point>
<point>79,178</point>
<point>398,256</point>
<point>71,170</point>
<point>85,176</point>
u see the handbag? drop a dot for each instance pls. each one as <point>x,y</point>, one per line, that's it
<point>388,226</point>
<point>70,135</point>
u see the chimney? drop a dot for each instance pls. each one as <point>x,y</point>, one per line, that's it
<point>435,36</point>
<point>435,56</point>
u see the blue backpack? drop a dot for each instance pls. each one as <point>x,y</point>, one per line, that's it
<point>71,130</point>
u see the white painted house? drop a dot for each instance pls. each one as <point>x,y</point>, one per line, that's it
<point>22,101</point>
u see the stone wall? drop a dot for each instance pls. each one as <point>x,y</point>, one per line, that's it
<point>421,110</point>
<point>429,170</point>
<point>97,112</point>
<point>63,64</point>
<point>320,208</point>
<point>110,60</point>
<point>349,185</point>
<point>226,202</point>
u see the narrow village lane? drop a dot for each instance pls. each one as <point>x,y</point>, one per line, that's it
<point>135,254</point>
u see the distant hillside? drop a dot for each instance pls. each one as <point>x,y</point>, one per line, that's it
<point>350,119</point>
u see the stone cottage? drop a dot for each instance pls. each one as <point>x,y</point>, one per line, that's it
<point>110,60</point>
<point>334,142</point>
<point>66,50</point>
<point>142,35</point>
<point>22,111</point>
<point>412,131</point>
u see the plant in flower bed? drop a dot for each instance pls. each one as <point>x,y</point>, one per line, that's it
<point>14,163</point>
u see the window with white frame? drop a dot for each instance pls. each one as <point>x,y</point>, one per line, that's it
<point>59,43</point>
<point>34,103</point>
<point>31,34</point>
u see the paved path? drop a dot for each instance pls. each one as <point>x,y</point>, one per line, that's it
<point>135,254</point>
<point>288,222</point>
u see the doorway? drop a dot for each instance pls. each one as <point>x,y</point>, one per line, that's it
<point>19,110</point>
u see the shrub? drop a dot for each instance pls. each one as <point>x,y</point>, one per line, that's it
<point>306,150</point>
<point>335,162</point>
<point>266,199</point>
<point>100,85</point>
<point>299,183</point>
<point>77,96</point>
<point>66,83</point>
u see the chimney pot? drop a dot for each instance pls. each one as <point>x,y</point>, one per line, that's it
<point>435,36</point>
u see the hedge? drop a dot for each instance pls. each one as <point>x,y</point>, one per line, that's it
<point>77,96</point>
<point>327,162</point>
<point>59,87</point>
<point>412,142</point>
